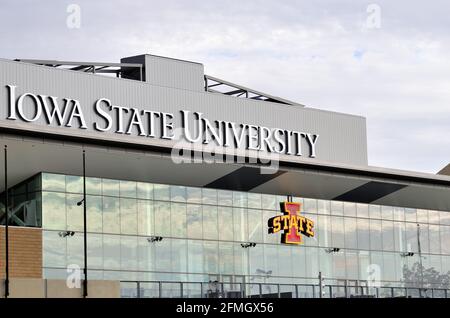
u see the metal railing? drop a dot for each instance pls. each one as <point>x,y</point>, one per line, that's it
<point>170,289</point>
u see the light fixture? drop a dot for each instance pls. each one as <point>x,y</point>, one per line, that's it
<point>247,245</point>
<point>66,233</point>
<point>407,254</point>
<point>333,250</point>
<point>79,203</point>
<point>153,239</point>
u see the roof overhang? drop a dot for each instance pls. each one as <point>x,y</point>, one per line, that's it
<point>30,155</point>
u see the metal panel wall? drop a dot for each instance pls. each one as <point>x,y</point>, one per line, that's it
<point>342,137</point>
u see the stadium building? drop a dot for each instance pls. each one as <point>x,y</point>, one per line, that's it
<point>198,187</point>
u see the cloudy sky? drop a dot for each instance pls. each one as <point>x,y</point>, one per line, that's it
<point>386,60</point>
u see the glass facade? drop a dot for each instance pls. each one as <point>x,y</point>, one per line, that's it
<point>204,234</point>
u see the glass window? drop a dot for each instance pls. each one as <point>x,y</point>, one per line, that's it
<point>111,252</point>
<point>95,251</point>
<point>351,260</point>
<point>210,230</point>
<point>339,265</point>
<point>240,224</point>
<point>424,238</point>
<point>54,211</point>
<point>269,202</point>
<point>179,256</point>
<point>128,216</point>
<point>111,215</point>
<point>337,208</point>
<point>376,266</point>
<point>310,206</point>
<point>445,239</point>
<point>94,186</point>
<point>145,218</point>
<point>387,213</point>
<point>363,231</point>
<point>255,233</point>
<point>284,260</point>
<point>389,267</point>
<point>435,262</point>
<point>323,230</point>
<point>33,217</point>
<point>240,260</point>
<point>53,182</point>
<point>433,217</point>
<point>375,235</point>
<point>337,231</point>
<point>194,195</point>
<point>226,257</point>
<point>225,197</point>
<point>410,215</point>
<point>256,260</point>
<point>271,259</point>
<point>161,192</point>
<point>444,217</point>
<point>75,219</point>
<point>350,233</point>
<point>194,221</point>
<point>74,184</point>
<point>75,249</point>
<point>422,216</point>
<point>54,249</point>
<point>388,235</point>
<point>211,257</point>
<point>146,254</point>
<point>349,209</point>
<point>128,253</point>
<point>254,200</point>
<point>225,217</point>
<point>435,243</point>
<point>240,199</point>
<point>128,189</point>
<point>163,252</point>
<point>411,237</point>
<point>34,184</point>
<point>374,211</point>
<point>312,263</point>
<point>162,218</point>
<point>323,207</point>
<point>299,261</point>
<point>399,214</point>
<point>178,219</point>
<point>178,194</point>
<point>110,187</point>
<point>145,190</point>
<point>209,196</point>
<point>362,210</point>
<point>195,256</point>
<point>365,266</point>
<point>94,210</point>
<point>399,237</point>
<point>445,263</point>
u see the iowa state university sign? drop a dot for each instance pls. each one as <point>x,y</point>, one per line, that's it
<point>195,127</point>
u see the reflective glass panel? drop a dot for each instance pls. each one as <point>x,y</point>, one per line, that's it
<point>111,215</point>
<point>128,216</point>
<point>53,182</point>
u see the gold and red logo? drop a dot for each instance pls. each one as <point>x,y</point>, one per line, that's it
<point>292,224</point>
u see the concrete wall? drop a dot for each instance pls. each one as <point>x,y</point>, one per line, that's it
<point>25,252</point>
<point>47,288</point>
